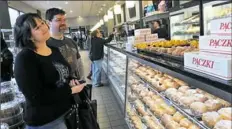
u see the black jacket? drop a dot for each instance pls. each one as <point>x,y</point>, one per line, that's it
<point>97,47</point>
<point>162,33</point>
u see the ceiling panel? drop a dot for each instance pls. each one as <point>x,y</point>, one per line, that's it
<point>79,8</point>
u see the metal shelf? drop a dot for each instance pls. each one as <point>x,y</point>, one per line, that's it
<point>157,16</point>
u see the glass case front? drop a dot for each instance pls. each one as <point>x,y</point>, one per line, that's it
<point>117,72</point>
<point>158,100</point>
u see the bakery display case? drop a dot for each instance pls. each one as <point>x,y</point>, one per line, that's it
<point>185,23</point>
<point>218,10</point>
<point>162,94</point>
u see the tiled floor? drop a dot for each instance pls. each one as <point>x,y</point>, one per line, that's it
<point>109,114</point>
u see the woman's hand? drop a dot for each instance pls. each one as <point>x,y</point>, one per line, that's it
<point>78,88</point>
<point>74,82</point>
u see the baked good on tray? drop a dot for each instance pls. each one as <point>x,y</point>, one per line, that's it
<point>210,118</point>
<point>225,113</point>
<point>223,124</point>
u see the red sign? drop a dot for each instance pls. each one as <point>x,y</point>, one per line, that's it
<point>220,42</point>
<point>226,26</point>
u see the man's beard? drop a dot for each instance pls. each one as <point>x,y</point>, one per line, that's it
<point>62,28</point>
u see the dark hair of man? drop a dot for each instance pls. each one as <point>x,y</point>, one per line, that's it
<point>158,22</point>
<point>50,13</point>
<point>22,30</point>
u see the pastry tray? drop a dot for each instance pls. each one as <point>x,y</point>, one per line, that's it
<point>179,59</point>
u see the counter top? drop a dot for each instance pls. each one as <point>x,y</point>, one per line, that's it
<point>176,68</point>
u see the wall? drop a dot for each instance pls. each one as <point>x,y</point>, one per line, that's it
<point>21,6</point>
<point>4,16</point>
<point>137,13</point>
<point>84,21</point>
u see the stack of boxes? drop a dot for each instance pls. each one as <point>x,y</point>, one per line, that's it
<point>215,54</point>
<point>145,36</point>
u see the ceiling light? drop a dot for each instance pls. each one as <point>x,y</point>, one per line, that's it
<point>130,4</point>
<point>101,9</point>
<point>105,18</point>
<point>110,14</point>
<point>117,9</point>
<point>71,11</point>
<point>66,2</point>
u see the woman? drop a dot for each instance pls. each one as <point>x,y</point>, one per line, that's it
<point>42,75</point>
<point>96,55</point>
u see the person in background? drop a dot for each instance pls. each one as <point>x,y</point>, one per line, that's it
<point>162,33</point>
<point>6,61</point>
<point>57,22</point>
<point>42,73</point>
<point>96,55</point>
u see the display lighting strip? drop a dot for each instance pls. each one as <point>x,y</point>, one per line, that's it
<point>96,27</point>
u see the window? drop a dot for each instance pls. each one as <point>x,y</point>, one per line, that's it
<point>13,16</point>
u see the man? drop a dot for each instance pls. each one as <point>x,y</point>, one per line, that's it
<point>162,33</point>
<point>96,55</point>
<point>57,22</point>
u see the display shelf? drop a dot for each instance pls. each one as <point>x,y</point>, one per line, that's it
<point>157,16</point>
<point>176,106</point>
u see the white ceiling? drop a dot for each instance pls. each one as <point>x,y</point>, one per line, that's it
<point>79,8</point>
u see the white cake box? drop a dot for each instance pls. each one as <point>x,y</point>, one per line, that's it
<point>216,44</point>
<point>222,26</point>
<point>140,39</point>
<point>151,37</point>
<point>145,31</point>
<point>217,65</point>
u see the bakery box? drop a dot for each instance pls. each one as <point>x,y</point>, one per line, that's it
<point>145,31</point>
<point>218,65</point>
<point>216,44</point>
<point>151,37</point>
<point>140,39</point>
<point>222,26</point>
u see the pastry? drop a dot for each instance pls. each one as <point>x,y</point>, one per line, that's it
<point>224,103</point>
<point>200,98</point>
<point>198,107</point>
<point>177,117</point>
<point>171,84</point>
<point>170,92</point>
<point>186,101</point>
<point>172,125</point>
<point>170,110</point>
<point>190,92</point>
<point>161,87</point>
<point>223,124</point>
<point>193,127</point>
<point>185,123</point>
<point>182,128</point>
<point>166,118</point>
<point>210,118</point>
<point>213,105</point>
<point>225,113</point>
<point>177,96</point>
<point>183,89</point>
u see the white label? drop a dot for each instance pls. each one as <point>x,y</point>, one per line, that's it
<point>221,26</point>
<point>142,31</point>
<point>218,66</point>
<point>216,44</point>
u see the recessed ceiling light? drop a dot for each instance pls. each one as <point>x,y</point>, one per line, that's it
<point>71,11</point>
<point>66,2</point>
<point>104,5</point>
<point>101,9</point>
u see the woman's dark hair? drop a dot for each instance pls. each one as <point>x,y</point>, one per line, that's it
<point>22,30</point>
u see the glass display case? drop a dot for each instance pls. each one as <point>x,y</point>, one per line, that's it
<point>160,94</point>
<point>185,23</point>
<point>218,10</point>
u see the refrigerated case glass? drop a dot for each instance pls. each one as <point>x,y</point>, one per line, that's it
<point>185,23</point>
<point>156,99</point>
<point>117,72</point>
<point>215,10</point>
